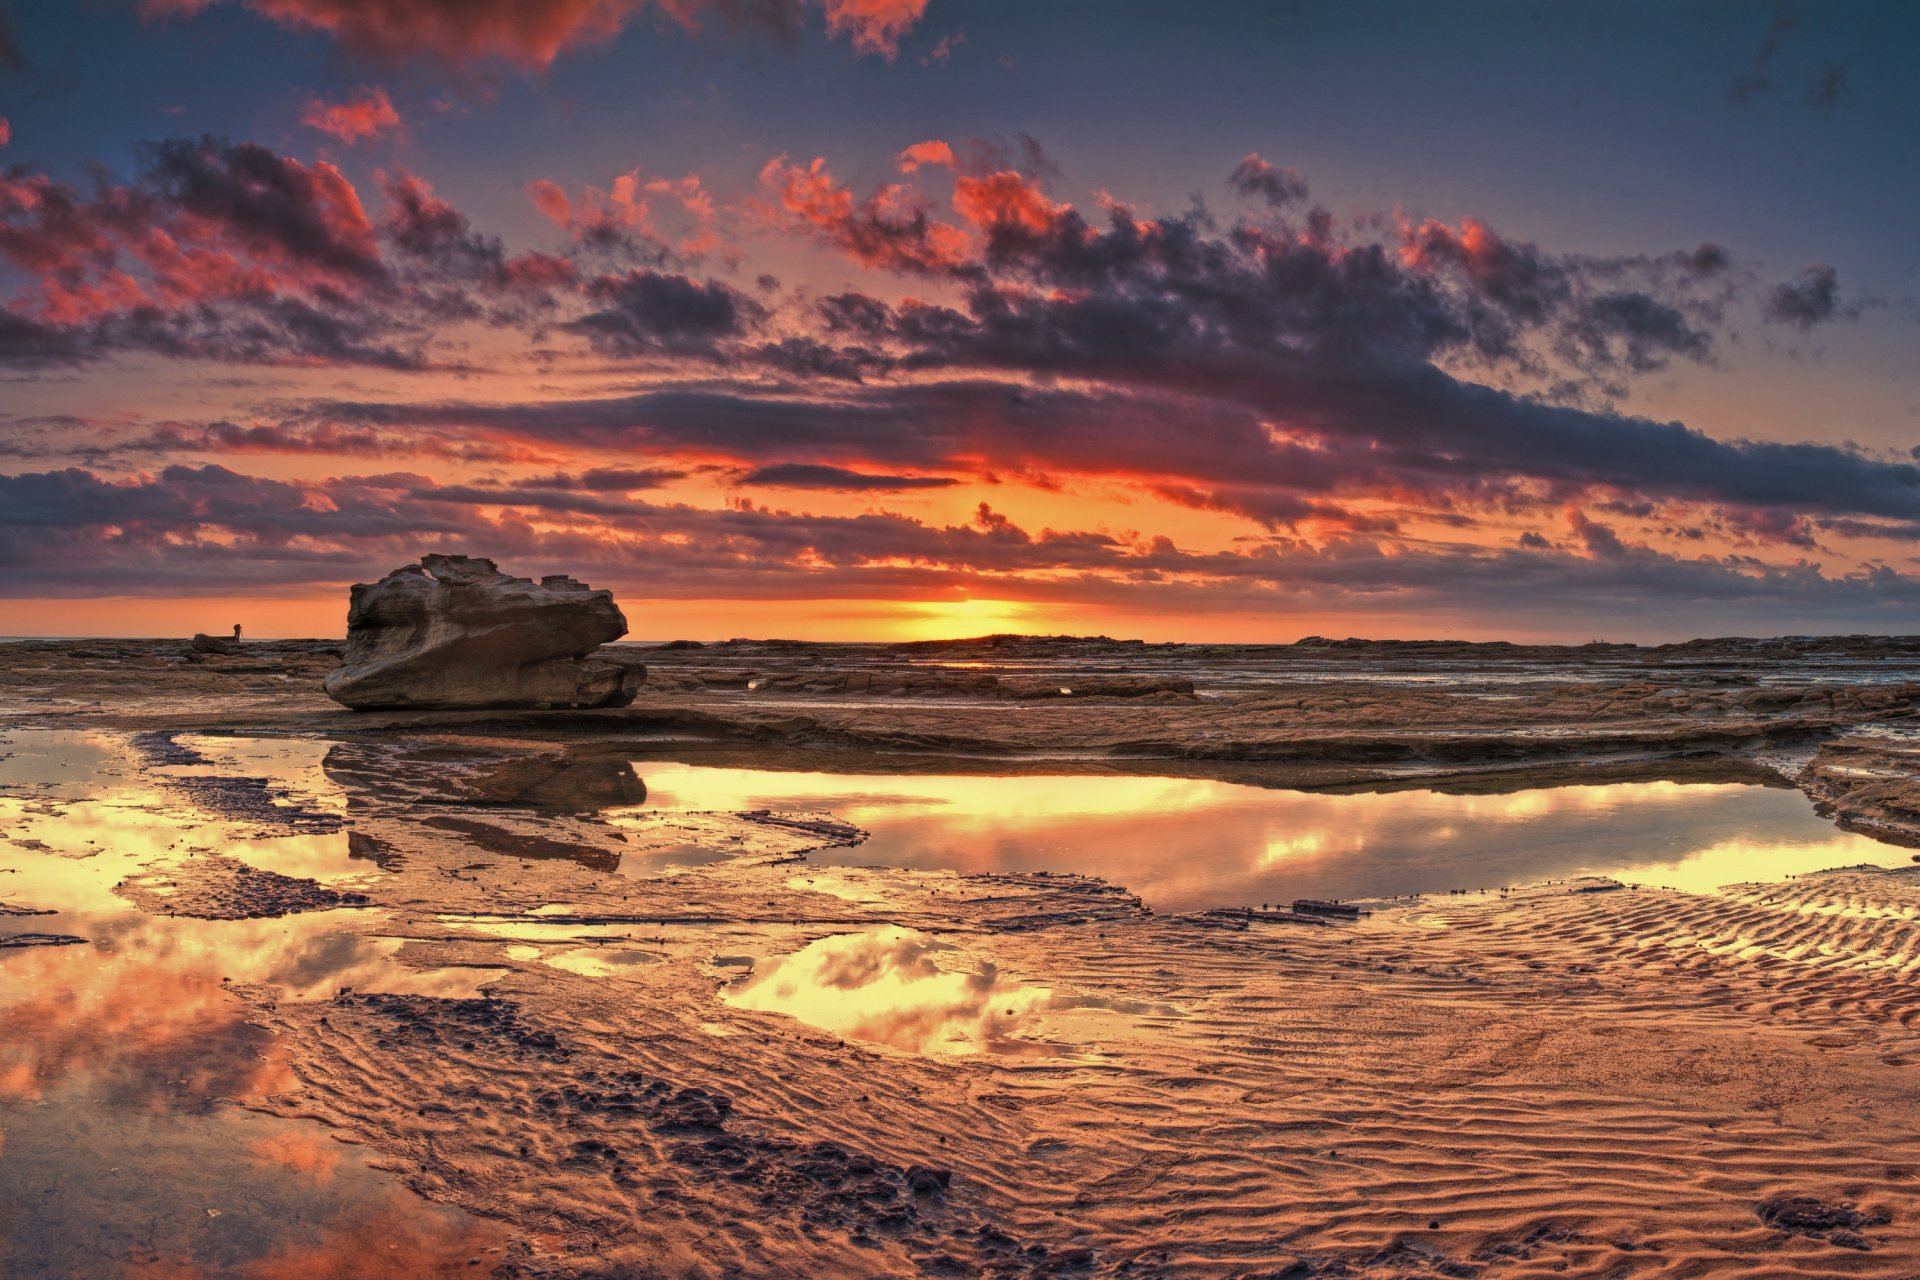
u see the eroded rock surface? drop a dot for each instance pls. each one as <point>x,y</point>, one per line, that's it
<point>455,632</point>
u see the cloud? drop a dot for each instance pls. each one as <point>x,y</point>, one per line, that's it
<point>891,228</point>
<point>932,152</point>
<point>1811,300</point>
<point>1278,187</point>
<point>1599,540</point>
<point>12,57</point>
<point>210,528</point>
<point>1346,395</point>
<point>532,34</point>
<point>6,131</point>
<point>1413,434</point>
<point>366,113</point>
<point>273,206</point>
<point>802,475</point>
<point>1828,88</point>
<point>646,311</point>
<point>1758,78</point>
<point>874,26</point>
<point>216,250</point>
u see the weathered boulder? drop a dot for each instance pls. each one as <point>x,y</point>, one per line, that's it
<point>453,632</point>
<point>204,643</point>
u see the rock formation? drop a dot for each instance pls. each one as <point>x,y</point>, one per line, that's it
<point>455,632</point>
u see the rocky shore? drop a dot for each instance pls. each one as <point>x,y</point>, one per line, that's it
<point>1513,1085</point>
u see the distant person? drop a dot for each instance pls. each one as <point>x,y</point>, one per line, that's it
<point>236,633</point>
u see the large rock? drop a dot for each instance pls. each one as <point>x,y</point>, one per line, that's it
<point>453,631</point>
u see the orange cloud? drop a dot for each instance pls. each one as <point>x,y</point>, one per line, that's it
<point>1005,199</point>
<point>890,228</point>
<point>623,206</point>
<point>366,114</point>
<point>875,26</point>
<point>931,152</point>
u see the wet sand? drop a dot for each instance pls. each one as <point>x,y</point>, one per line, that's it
<point>686,1045</point>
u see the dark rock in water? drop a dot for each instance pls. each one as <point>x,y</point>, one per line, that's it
<point>203,643</point>
<point>40,940</point>
<point>455,632</point>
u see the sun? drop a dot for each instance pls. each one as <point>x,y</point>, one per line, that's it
<point>959,619</point>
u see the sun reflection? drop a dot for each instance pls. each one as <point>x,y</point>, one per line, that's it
<point>1184,843</point>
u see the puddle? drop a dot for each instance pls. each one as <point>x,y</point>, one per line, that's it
<point>1183,844</point>
<point>125,1061</point>
<point>601,962</point>
<point>907,990</point>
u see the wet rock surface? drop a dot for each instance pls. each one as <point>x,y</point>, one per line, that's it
<point>1803,1215</point>
<point>455,632</point>
<point>212,887</point>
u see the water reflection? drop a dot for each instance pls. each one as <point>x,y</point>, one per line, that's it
<point>886,986</point>
<point>1185,843</point>
<point>119,1059</point>
<point>96,1190</point>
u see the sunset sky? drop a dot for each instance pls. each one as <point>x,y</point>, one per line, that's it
<point>846,319</point>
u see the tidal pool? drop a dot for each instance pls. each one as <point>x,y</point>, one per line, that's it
<point>911,991</point>
<point>1183,843</point>
<point>125,1064</point>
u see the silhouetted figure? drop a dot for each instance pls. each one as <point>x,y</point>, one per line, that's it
<point>236,633</point>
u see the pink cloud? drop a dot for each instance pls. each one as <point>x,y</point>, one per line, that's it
<point>931,152</point>
<point>367,113</point>
<point>551,200</point>
<point>875,26</point>
<point>534,33</point>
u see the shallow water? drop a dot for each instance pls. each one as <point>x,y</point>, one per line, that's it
<point>125,1064</point>
<point>914,992</point>
<point>1184,844</point>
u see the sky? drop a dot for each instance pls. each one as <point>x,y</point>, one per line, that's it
<point>905,319</point>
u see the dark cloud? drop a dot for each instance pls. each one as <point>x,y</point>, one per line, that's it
<point>28,342</point>
<point>270,204</point>
<point>1599,540</point>
<point>647,312</point>
<point>803,475</point>
<point>1828,87</point>
<point>1414,431</point>
<point>1757,79</point>
<point>1257,178</point>
<point>1812,299</point>
<point>12,57</point>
